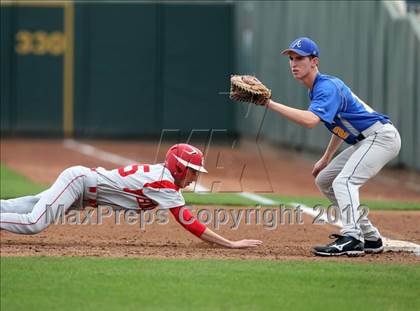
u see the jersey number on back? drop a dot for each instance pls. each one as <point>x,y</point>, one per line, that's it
<point>143,202</point>
<point>132,169</point>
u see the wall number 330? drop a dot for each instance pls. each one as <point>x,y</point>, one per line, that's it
<point>40,43</point>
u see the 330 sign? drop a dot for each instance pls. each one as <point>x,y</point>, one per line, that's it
<point>40,43</point>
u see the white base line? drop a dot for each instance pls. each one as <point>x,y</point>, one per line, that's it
<point>97,153</point>
<point>390,245</point>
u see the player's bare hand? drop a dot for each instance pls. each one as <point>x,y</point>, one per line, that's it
<point>245,243</point>
<point>319,166</point>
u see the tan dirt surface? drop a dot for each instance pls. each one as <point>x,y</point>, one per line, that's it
<point>230,169</point>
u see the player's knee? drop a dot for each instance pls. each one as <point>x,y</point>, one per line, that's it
<point>339,182</point>
<point>322,182</point>
<point>38,223</point>
<point>36,226</point>
<point>35,229</point>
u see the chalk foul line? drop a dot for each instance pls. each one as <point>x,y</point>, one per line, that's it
<point>91,151</point>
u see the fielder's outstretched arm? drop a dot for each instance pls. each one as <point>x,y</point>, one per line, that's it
<point>302,117</point>
<point>190,223</point>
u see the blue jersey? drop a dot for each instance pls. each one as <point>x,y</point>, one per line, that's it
<point>342,112</point>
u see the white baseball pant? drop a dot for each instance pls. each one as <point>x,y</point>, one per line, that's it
<point>352,168</point>
<point>32,214</point>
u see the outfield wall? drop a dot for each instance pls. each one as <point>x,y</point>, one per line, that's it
<point>115,70</point>
<point>134,69</point>
<point>369,45</point>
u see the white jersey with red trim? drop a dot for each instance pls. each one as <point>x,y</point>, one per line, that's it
<point>139,186</point>
<point>132,187</point>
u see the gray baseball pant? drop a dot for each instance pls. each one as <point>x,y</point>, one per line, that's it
<point>352,168</point>
<point>32,214</point>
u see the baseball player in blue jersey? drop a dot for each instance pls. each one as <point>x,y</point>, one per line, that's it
<point>373,141</point>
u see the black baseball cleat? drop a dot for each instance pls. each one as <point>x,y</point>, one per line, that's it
<point>374,247</point>
<point>344,245</point>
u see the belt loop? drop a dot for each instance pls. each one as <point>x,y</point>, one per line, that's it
<point>360,137</point>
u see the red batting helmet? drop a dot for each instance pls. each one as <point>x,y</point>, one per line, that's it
<point>181,156</point>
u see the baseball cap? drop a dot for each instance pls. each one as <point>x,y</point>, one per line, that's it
<point>303,46</point>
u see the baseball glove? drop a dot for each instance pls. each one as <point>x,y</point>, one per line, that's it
<point>248,89</point>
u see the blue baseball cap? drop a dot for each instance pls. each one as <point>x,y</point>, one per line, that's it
<point>303,46</point>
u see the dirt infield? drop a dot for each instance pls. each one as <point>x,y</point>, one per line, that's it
<point>239,169</point>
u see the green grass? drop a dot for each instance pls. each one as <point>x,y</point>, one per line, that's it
<point>373,205</point>
<point>14,185</point>
<point>48,283</point>
<point>235,199</point>
<point>224,198</point>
